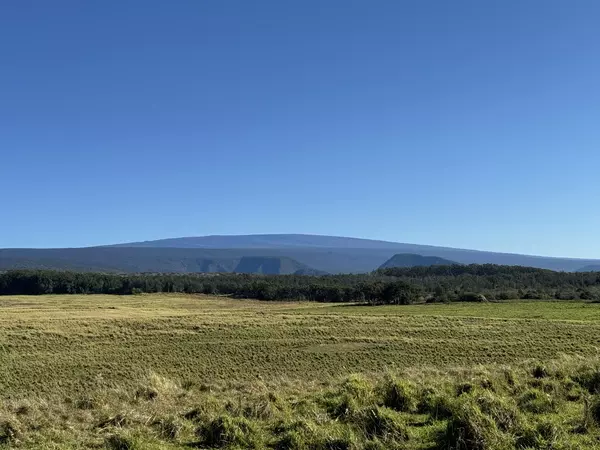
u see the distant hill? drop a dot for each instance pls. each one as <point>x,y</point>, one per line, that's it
<point>590,268</point>
<point>337,254</point>
<point>331,254</point>
<point>274,266</point>
<point>172,260</point>
<point>413,260</point>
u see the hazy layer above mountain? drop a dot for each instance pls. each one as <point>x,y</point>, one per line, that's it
<point>267,241</point>
<point>412,260</point>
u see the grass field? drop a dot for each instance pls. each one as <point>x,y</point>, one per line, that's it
<point>144,363</point>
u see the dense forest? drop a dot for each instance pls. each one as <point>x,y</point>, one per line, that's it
<point>385,286</point>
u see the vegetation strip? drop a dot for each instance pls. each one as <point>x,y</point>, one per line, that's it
<point>472,283</point>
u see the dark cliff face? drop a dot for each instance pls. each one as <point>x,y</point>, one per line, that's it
<point>412,260</point>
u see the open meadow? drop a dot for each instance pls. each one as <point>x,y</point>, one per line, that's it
<point>170,371</point>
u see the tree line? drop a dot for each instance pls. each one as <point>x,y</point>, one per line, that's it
<point>386,286</point>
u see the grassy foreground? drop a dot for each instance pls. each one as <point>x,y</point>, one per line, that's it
<point>159,371</point>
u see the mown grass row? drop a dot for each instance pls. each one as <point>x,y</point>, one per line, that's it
<point>533,406</point>
<point>64,342</point>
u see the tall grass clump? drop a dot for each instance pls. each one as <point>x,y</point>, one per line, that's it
<point>227,431</point>
<point>399,394</point>
<point>537,401</point>
<point>479,421</point>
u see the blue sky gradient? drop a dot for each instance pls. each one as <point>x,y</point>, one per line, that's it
<point>469,124</point>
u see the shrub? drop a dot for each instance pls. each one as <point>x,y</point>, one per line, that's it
<point>472,297</point>
<point>507,295</point>
<point>586,294</point>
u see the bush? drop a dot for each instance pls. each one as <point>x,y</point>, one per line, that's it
<point>586,294</point>
<point>507,295</point>
<point>472,297</point>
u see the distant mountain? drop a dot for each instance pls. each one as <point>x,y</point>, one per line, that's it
<point>335,254</point>
<point>177,260</point>
<point>331,254</point>
<point>590,268</point>
<point>413,260</point>
<point>269,265</point>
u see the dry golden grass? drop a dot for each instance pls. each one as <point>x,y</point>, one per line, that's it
<point>141,363</point>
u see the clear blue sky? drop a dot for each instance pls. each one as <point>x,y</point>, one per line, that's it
<point>472,124</point>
